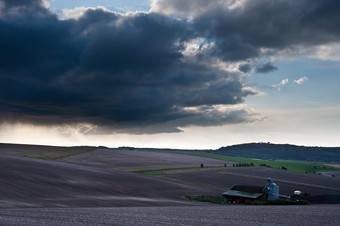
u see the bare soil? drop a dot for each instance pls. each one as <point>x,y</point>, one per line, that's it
<point>140,160</point>
<point>179,215</point>
<point>22,149</point>
<point>256,176</point>
<point>103,178</point>
<point>333,165</point>
<point>27,182</point>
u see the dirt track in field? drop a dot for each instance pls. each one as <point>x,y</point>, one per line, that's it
<point>333,165</point>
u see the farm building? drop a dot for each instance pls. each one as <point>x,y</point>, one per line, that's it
<point>245,194</point>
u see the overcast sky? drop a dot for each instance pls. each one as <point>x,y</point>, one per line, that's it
<point>170,73</point>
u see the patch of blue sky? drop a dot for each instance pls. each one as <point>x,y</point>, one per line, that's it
<point>321,89</point>
<point>113,5</point>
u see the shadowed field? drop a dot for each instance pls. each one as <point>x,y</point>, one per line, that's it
<point>44,177</point>
<point>256,176</point>
<point>139,160</point>
<point>27,182</point>
<point>189,215</point>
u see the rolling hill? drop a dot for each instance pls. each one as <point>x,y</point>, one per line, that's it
<point>269,151</point>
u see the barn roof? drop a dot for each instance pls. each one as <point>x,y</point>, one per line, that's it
<point>252,192</point>
<point>235,193</point>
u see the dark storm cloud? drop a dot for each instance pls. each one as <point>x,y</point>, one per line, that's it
<point>117,72</point>
<point>245,68</point>
<point>18,4</point>
<point>137,72</point>
<point>265,68</point>
<point>260,28</point>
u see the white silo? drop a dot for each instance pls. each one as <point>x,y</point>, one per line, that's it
<point>272,189</point>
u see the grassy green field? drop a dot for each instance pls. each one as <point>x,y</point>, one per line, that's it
<point>296,166</point>
<point>163,171</point>
<point>58,153</point>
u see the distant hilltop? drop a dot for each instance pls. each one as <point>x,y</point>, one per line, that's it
<point>269,151</point>
<point>264,151</point>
